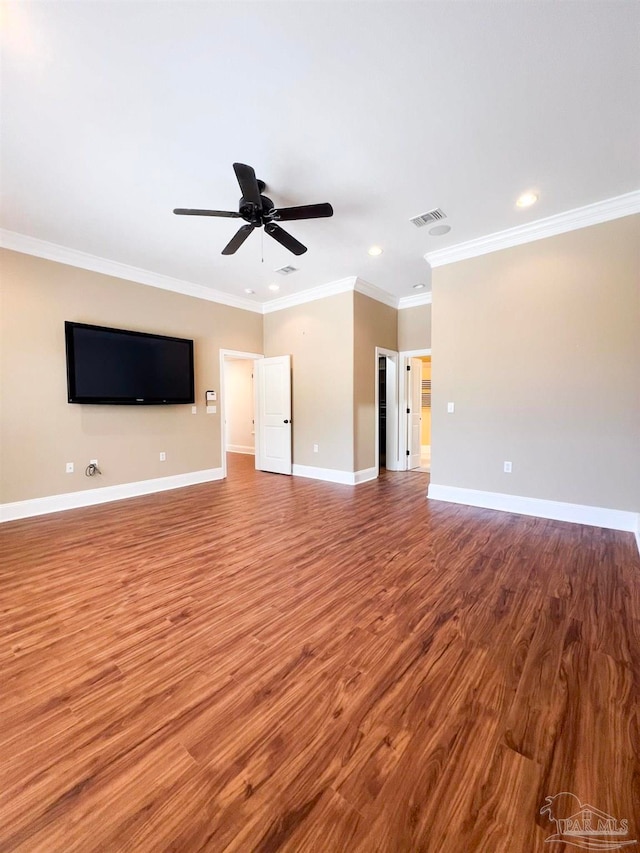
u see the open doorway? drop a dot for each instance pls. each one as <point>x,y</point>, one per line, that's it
<point>425,415</point>
<point>237,404</point>
<point>382,411</point>
<point>415,409</point>
<point>386,408</point>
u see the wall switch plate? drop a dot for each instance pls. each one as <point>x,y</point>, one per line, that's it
<point>194,410</point>
<point>451,407</point>
<point>507,467</point>
<point>315,448</point>
<point>211,410</point>
<point>69,468</point>
<point>212,396</point>
<point>163,456</point>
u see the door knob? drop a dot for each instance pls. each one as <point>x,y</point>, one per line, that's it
<point>286,422</point>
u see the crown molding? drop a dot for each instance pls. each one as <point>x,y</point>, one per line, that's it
<point>570,220</point>
<point>83,260</point>
<point>373,292</point>
<point>343,285</point>
<point>414,301</point>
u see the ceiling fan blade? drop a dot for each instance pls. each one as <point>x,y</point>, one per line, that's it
<point>285,239</point>
<point>185,211</point>
<point>248,183</point>
<point>304,211</point>
<point>237,240</point>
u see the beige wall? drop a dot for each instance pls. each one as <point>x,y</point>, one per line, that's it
<point>238,388</point>
<point>539,348</point>
<point>332,343</point>
<point>375,325</point>
<point>40,431</point>
<point>319,337</point>
<point>414,328</point>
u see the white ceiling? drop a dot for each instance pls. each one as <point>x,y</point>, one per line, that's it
<point>114,113</point>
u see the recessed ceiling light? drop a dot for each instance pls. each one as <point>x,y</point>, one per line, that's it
<point>274,287</point>
<point>248,290</point>
<point>374,251</point>
<point>527,199</point>
<point>439,230</point>
<point>419,286</point>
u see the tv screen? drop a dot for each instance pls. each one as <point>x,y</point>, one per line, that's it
<point>122,367</point>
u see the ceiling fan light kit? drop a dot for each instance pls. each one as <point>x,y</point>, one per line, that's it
<point>259,211</point>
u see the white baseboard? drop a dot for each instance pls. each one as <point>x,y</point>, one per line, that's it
<point>104,494</point>
<point>333,475</point>
<point>240,448</point>
<point>638,533</point>
<point>365,475</point>
<point>596,516</point>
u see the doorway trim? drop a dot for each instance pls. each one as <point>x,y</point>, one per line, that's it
<point>228,354</point>
<point>392,411</point>
<point>405,355</point>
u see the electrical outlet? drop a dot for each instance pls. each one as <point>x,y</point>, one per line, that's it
<point>194,410</point>
<point>507,467</point>
<point>451,407</point>
<point>69,468</point>
<point>93,462</point>
<point>163,456</point>
<point>315,448</point>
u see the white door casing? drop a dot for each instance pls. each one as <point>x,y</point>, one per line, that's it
<point>273,414</point>
<point>414,397</point>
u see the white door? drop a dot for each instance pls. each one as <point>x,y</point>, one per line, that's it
<point>273,411</point>
<point>414,418</point>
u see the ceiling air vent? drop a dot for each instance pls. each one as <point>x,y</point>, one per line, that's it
<point>286,270</point>
<point>430,216</point>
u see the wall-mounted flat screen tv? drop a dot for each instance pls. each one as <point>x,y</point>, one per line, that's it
<point>115,366</point>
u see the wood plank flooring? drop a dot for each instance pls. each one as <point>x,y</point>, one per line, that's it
<point>272,663</point>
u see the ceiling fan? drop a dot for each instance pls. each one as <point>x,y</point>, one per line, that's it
<point>257,210</point>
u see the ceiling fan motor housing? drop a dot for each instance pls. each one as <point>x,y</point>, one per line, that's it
<point>254,214</point>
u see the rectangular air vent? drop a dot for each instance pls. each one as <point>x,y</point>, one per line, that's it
<point>286,270</point>
<point>429,216</point>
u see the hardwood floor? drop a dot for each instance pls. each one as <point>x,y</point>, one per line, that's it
<point>273,663</point>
